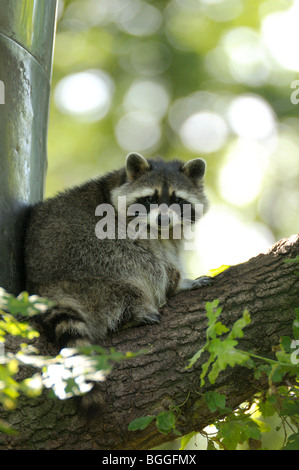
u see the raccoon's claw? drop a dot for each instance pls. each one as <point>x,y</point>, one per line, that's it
<point>192,284</point>
<point>149,317</point>
<point>153,317</point>
<point>204,281</point>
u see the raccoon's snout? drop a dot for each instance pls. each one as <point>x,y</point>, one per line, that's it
<point>163,220</point>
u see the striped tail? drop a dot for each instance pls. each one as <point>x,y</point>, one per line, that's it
<point>66,327</point>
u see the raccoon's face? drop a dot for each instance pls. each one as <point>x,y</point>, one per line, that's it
<point>163,195</point>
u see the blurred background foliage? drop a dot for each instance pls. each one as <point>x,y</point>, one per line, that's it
<point>182,79</point>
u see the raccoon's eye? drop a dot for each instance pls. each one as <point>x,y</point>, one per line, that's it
<point>178,200</point>
<point>150,199</point>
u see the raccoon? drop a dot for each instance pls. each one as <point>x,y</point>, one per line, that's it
<point>101,279</point>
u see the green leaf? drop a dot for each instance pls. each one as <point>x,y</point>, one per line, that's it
<point>266,408</point>
<point>292,442</point>
<point>229,434</point>
<point>210,306</point>
<point>140,423</point>
<point>236,431</point>
<point>263,427</point>
<point>205,368</point>
<point>226,352</point>
<point>212,314</point>
<point>166,421</point>
<point>237,329</point>
<point>215,401</point>
<point>290,408</point>
<point>292,260</point>
<point>215,371</point>
<point>219,328</point>
<point>211,445</point>
<point>222,351</point>
<point>286,343</point>
<point>195,357</point>
<point>262,369</point>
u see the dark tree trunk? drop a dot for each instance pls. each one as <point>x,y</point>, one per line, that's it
<point>150,383</point>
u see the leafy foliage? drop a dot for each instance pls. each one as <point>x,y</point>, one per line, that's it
<point>241,425</point>
<point>244,425</point>
<point>222,352</point>
<point>165,422</point>
<point>215,401</point>
<point>72,372</point>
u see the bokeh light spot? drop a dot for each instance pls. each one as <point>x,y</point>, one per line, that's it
<point>252,116</point>
<point>138,130</point>
<point>86,94</point>
<point>146,95</point>
<point>204,132</point>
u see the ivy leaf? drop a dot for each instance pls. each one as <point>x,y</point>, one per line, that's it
<point>236,431</point>
<point>286,343</point>
<point>226,353</point>
<point>204,369</point>
<point>211,445</point>
<point>292,442</point>
<point>212,314</point>
<point>215,401</point>
<point>219,328</point>
<point>290,408</point>
<point>195,357</point>
<point>166,421</point>
<point>222,351</point>
<point>140,423</point>
<point>292,260</point>
<point>237,329</point>
<point>266,408</point>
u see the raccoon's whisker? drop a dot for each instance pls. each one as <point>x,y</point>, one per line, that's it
<point>139,216</point>
<point>185,211</point>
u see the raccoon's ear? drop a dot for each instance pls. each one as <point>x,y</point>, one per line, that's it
<point>195,169</point>
<point>136,165</point>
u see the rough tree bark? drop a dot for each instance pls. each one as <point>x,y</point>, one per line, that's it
<point>150,383</point>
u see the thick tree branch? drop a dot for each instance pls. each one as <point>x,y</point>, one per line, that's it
<point>150,383</point>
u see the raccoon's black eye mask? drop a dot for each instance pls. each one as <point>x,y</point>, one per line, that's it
<point>153,199</point>
<point>174,199</point>
<point>146,201</point>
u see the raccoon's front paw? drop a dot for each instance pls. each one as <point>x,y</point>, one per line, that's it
<point>147,316</point>
<point>152,317</point>
<point>192,284</point>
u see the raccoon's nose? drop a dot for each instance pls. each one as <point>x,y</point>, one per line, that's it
<point>163,220</point>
